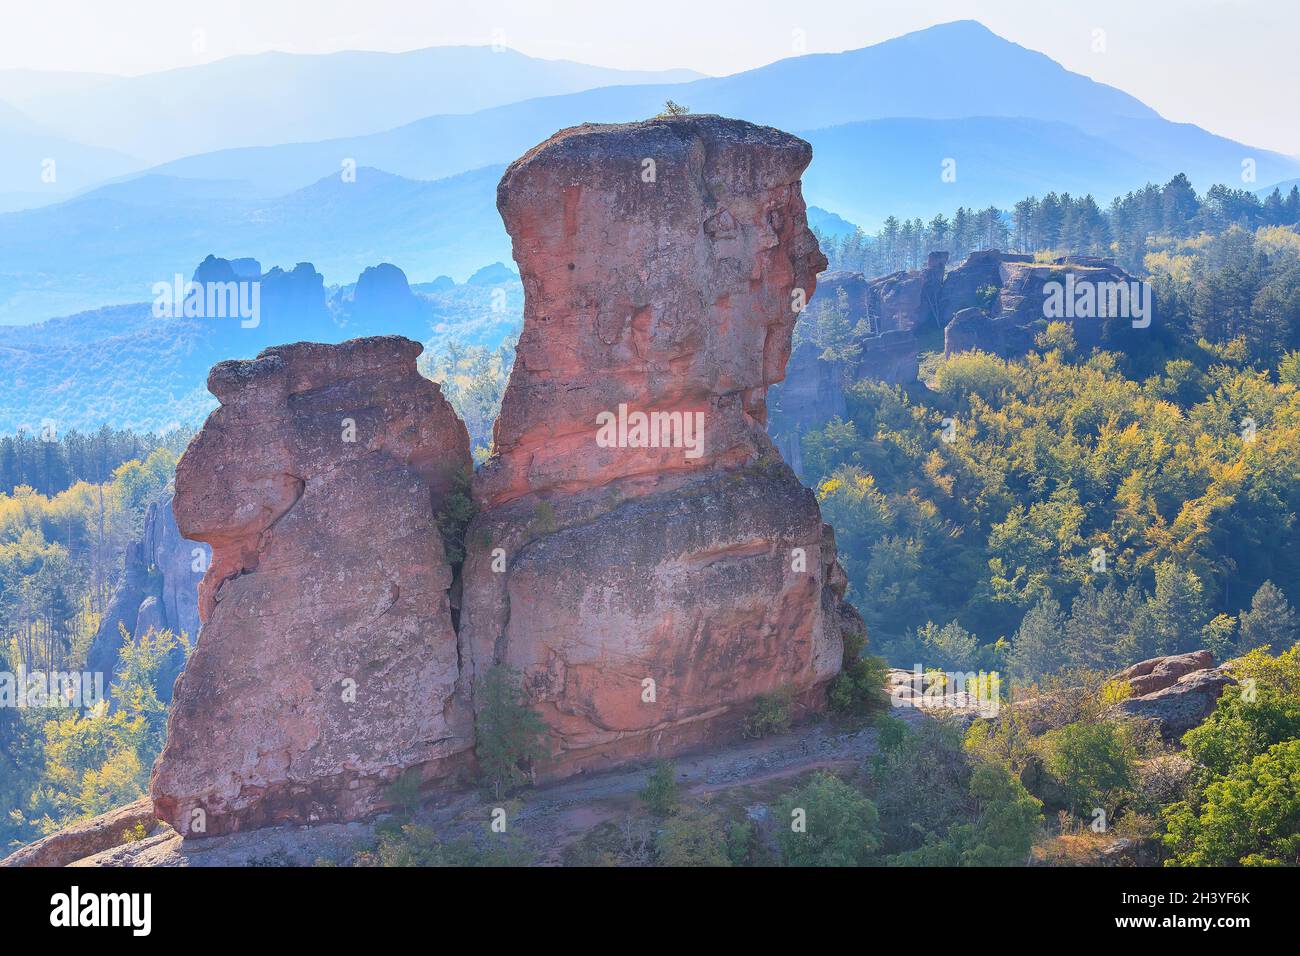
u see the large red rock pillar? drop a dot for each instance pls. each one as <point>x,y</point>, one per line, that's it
<point>650,576</point>
<point>328,662</point>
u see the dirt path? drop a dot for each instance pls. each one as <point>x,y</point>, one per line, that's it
<point>552,816</point>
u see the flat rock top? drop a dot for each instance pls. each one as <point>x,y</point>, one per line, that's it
<point>614,140</point>
<point>309,364</point>
<point>576,150</point>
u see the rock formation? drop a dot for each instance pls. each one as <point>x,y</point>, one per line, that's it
<point>1011,289</point>
<point>648,583</point>
<point>649,587</point>
<point>382,299</point>
<point>972,329</point>
<point>906,301</point>
<point>993,301</point>
<point>900,301</point>
<point>1178,692</point>
<point>158,591</point>
<point>328,663</point>
<point>87,837</point>
<point>892,357</point>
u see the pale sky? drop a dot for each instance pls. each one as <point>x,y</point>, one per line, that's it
<point>1230,66</point>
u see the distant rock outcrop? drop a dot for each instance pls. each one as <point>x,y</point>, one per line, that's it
<point>972,329</point>
<point>289,305</point>
<point>382,299</point>
<point>329,662</point>
<point>993,301</point>
<point>1177,692</point>
<point>495,274</point>
<point>649,582</point>
<point>158,591</point>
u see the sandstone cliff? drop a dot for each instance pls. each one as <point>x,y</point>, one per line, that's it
<point>648,584</point>
<point>993,301</point>
<point>649,590</point>
<point>329,662</point>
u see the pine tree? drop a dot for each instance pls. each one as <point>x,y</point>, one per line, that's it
<point>1038,649</point>
<point>510,735</point>
<point>1270,621</point>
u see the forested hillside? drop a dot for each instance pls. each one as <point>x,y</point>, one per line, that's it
<point>1055,517</point>
<point>60,558</point>
<point>1072,508</point>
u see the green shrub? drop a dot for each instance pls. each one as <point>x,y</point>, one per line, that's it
<point>859,686</point>
<point>919,784</point>
<point>660,793</point>
<point>1002,833</point>
<point>454,518</point>
<point>742,843</point>
<point>1092,762</point>
<point>418,845</point>
<point>840,826</point>
<point>1263,710</point>
<point>1251,817</point>
<point>771,715</point>
<point>691,838</point>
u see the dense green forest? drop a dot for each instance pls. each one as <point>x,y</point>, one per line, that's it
<point>1135,503</point>
<point>1064,224</point>
<point>60,559</point>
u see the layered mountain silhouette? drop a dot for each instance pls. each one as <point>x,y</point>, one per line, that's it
<point>128,365</point>
<point>955,71</point>
<point>57,256</point>
<point>271,98</point>
<point>887,122</point>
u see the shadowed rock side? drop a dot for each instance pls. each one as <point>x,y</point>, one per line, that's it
<point>328,663</point>
<point>648,594</point>
<point>157,592</point>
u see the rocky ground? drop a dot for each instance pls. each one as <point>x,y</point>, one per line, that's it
<point>552,818</point>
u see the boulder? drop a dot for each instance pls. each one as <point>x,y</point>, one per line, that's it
<point>88,837</point>
<point>649,591</point>
<point>892,357</point>
<point>1178,692</point>
<point>1161,672</point>
<point>328,664</point>
<point>970,329</point>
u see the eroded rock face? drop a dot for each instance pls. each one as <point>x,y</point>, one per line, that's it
<point>812,394</point>
<point>86,837</point>
<point>648,594</point>
<point>658,261</point>
<point>328,663</point>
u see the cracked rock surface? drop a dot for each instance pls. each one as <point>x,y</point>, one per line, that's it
<point>328,663</point>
